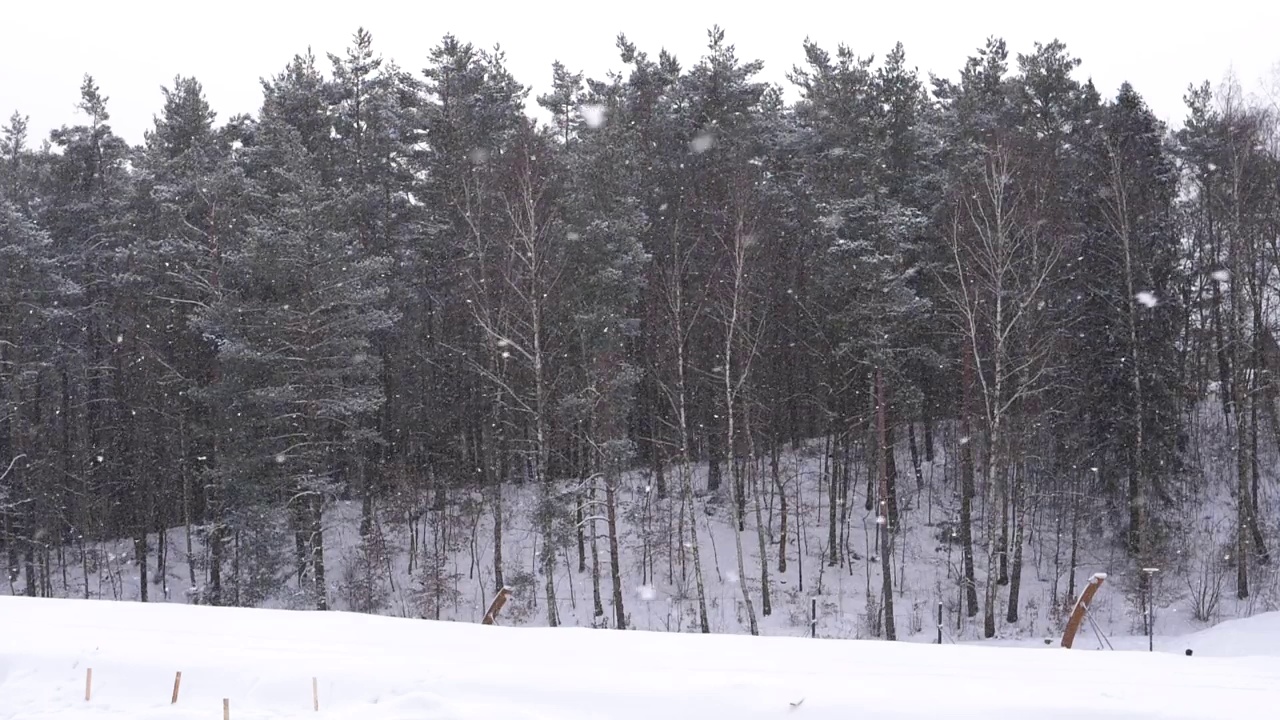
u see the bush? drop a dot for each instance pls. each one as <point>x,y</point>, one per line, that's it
<point>434,584</point>
<point>365,587</point>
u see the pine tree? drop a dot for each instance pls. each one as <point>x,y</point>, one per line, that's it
<point>33,297</point>
<point>469,115</point>
<point>602,223</point>
<point>192,202</point>
<point>1132,260</point>
<point>83,208</point>
<point>370,103</point>
<point>299,373</point>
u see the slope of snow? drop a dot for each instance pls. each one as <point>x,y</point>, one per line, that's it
<point>656,567</point>
<point>380,668</point>
<point>1252,636</point>
<point>656,571</point>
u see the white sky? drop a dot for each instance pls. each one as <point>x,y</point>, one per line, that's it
<point>132,47</point>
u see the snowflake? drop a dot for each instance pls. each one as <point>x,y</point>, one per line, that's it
<point>702,143</point>
<point>593,115</point>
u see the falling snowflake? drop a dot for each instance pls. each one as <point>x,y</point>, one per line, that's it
<point>647,592</point>
<point>702,143</point>
<point>1221,275</point>
<point>593,115</point>
<point>1147,299</point>
<point>732,577</point>
<point>280,458</point>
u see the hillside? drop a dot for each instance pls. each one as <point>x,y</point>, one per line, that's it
<point>450,575</point>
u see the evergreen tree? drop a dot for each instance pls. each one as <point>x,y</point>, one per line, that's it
<point>299,374</point>
<point>1132,305</point>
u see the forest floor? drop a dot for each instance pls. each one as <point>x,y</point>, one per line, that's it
<point>93,660</point>
<point>439,564</point>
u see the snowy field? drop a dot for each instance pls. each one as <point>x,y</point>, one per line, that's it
<point>382,668</point>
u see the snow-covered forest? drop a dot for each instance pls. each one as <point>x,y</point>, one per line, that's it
<point>661,349</point>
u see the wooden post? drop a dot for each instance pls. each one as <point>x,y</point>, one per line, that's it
<point>813,617</point>
<point>939,622</point>
<point>226,709</point>
<point>177,682</point>
<point>491,617</point>
<point>1082,606</point>
<point>315,694</point>
<point>88,684</point>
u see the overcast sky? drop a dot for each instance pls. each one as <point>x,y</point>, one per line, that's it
<point>133,47</point>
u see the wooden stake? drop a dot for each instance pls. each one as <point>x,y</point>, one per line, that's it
<point>177,682</point>
<point>88,684</point>
<point>226,709</point>
<point>315,694</point>
<point>1081,608</point>
<point>491,617</point>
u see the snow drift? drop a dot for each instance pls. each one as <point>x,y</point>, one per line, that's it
<point>381,668</point>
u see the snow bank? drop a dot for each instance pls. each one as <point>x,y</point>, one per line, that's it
<point>381,668</point>
<point>1252,636</point>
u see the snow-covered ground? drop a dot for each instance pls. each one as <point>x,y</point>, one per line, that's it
<point>380,668</point>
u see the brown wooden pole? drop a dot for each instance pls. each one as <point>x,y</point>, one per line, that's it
<point>1082,606</point>
<point>491,617</point>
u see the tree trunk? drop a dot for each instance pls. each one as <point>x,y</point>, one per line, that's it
<point>499,577</point>
<point>317,553</point>
<point>833,501</point>
<point>891,475</point>
<point>678,338</point>
<point>578,510</point>
<point>140,559</point>
<point>782,512</point>
<point>967,490</point>
<point>730,393</point>
<point>756,485</point>
<point>886,532</point>
<point>615,556</point>
<point>1239,395</point>
<point>597,601</point>
<point>1015,572</point>
<point>915,456</point>
<point>714,458</point>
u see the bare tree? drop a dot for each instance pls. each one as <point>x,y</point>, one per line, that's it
<point>999,282</point>
<point>525,263</point>
<point>680,325</point>
<point>734,375</point>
